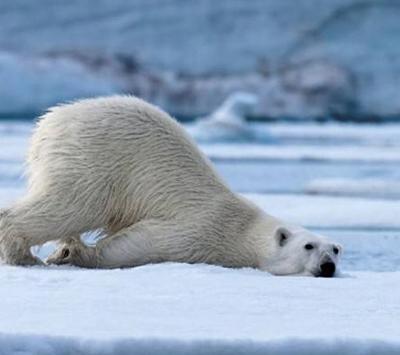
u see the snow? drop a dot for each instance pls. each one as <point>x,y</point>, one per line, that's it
<point>195,309</point>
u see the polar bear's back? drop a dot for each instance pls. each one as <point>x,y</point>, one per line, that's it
<point>121,151</point>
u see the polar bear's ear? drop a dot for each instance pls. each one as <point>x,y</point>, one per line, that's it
<point>282,236</point>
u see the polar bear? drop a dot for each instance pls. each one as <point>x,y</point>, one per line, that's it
<point>122,166</point>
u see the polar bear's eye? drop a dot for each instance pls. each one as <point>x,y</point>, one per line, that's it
<point>309,246</point>
<point>336,250</point>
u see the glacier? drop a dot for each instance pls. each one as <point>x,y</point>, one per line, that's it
<point>311,59</point>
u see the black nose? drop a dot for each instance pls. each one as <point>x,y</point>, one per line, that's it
<point>327,269</point>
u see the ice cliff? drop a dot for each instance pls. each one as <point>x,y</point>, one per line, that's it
<point>308,58</point>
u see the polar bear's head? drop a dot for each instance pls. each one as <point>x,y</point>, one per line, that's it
<point>297,251</point>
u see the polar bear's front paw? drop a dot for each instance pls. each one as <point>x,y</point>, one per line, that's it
<point>59,256</point>
<point>72,251</point>
<point>64,253</point>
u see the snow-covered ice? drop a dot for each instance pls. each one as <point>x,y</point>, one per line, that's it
<point>199,309</point>
<point>180,309</point>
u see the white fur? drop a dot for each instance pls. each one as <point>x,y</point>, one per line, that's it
<point>123,166</point>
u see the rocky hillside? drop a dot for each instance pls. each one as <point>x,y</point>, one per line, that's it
<point>304,58</point>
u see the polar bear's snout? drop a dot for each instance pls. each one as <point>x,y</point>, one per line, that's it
<point>327,268</point>
<point>328,259</point>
